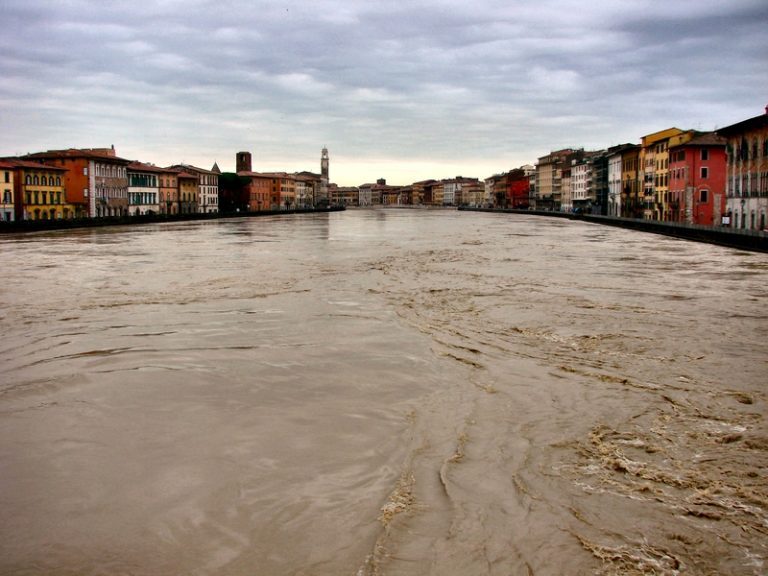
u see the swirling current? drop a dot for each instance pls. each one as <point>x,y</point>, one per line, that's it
<point>381,392</point>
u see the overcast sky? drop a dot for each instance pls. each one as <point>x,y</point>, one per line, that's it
<point>404,90</point>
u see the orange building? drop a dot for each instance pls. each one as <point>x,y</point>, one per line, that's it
<point>169,191</point>
<point>96,180</point>
<point>259,190</point>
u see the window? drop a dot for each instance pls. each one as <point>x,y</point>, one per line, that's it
<point>704,172</point>
<point>58,180</point>
<point>705,153</point>
<point>44,181</point>
<point>85,192</point>
<point>704,196</point>
<point>36,180</point>
<point>85,170</point>
<point>8,175</point>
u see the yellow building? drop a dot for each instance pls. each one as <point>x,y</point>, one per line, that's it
<point>187,195</point>
<point>7,211</point>
<point>39,191</point>
<point>631,179</point>
<point>654,164</point>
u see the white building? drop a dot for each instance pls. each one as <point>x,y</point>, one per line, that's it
<point>365,196</point>
<point>581,174</point>
<point>614,184</point>
<point>451,189</point>
<point>143,189</point>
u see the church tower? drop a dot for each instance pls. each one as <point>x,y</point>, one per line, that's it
<point>324,165</point>
<point>324,175</point>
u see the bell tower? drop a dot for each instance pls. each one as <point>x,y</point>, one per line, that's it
<point>324,165</point>
<point>324,174</point>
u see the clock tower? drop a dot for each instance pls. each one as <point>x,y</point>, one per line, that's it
<point>324,175</point>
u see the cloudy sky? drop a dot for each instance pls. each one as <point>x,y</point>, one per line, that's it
<point>404,90</point>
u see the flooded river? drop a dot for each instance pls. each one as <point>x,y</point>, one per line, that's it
<point>382,392</point>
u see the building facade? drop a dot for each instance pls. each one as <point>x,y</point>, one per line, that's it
<point>632,203</point>
<point>549,175</point>
<point>7,205</point>
<point>453,190</point>
<point>168,189</point>
<point>188,192</point>
<point>207,196</point>
<point>38,191</point>
<point>613,207</point>
<point>697,180</point>
<point>96,180</point>
<point>143,189</point>
<point>654,159</point>
<point>747,173</point>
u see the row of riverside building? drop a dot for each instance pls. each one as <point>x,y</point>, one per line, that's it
<point>715,178</point>
<point>96,183</point>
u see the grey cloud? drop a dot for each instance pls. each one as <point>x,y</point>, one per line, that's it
<point>453,79</point>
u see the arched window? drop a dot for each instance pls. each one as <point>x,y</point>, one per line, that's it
<point>28,180</point>
<point>36,180</point>
<point>58,180</point>
<point>44,181</point>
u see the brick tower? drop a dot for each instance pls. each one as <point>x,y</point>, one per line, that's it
<point>243,162</point>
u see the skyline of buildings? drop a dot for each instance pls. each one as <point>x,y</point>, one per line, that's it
<point>709,178</point>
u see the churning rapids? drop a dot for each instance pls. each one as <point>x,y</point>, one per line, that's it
<point>382,392</point>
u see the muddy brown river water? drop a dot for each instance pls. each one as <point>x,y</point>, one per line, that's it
<point>382,392</point>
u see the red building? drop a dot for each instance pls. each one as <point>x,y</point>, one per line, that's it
<point>697,180</point>
<point>518,188</point>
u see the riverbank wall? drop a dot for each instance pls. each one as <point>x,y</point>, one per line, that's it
<point>752,240</point>
<point>46,225</point>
